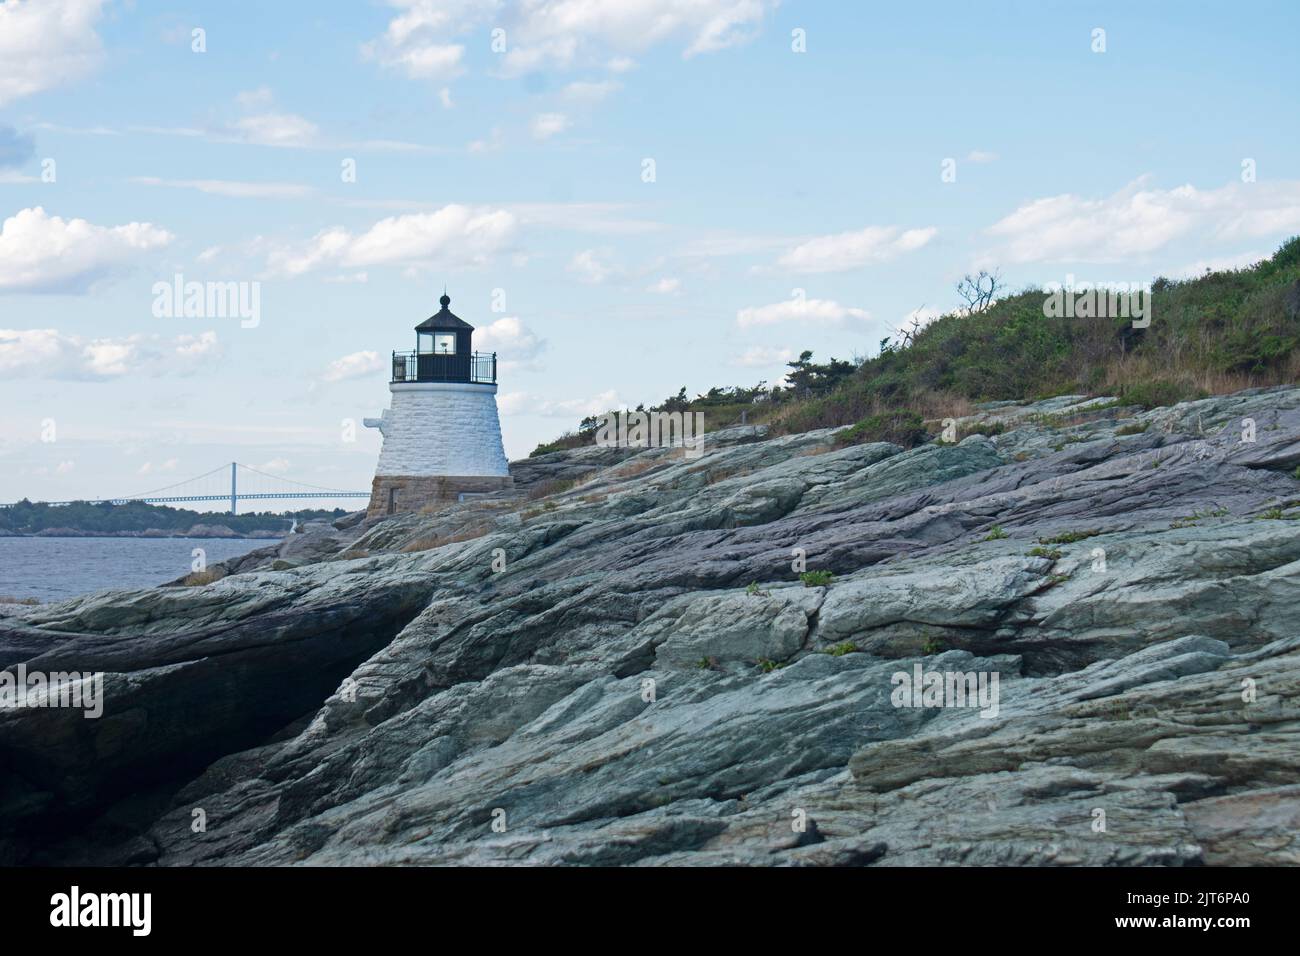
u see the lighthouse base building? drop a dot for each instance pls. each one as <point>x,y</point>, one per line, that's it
<point>442,436</point>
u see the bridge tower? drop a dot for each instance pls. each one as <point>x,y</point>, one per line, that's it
<point>441,434</point>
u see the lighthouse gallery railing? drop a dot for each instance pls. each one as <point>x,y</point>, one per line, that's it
<point>477,367</point>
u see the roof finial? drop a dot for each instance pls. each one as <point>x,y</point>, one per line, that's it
<point>446,299</point>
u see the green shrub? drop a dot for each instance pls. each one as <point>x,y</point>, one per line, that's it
<point>1069,537</point>
<point>816,579</point>
<point>932,645</point>
<point>1159,393</point>
<point>839,650</point>
<point>899,427</point>
<point>996,533</point>
<point>1052,554</point>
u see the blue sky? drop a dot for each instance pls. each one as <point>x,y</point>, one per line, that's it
<point>798,200</point>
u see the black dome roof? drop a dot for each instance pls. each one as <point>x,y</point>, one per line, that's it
<point>443,320</point>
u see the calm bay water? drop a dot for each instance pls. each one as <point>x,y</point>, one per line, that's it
<point>51,569</point>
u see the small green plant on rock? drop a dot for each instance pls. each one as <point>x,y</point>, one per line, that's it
<point>754,590</point>
<point>767,666</point>
<point>707,663</point>
<point>816,579</point>
<point>996,533</point>
<point>1133,428</point>
<point>1052,554</point>
<point>1069,537</point>
<point>1195,516</point>
<point>839,650</point>
<point>932,645</point>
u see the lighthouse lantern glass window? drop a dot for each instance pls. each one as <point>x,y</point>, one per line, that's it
<point>444,343</point>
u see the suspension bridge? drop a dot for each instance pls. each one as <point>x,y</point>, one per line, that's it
<point>233,483</point>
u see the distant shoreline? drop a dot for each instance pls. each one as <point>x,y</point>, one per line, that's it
<point>212,533</point>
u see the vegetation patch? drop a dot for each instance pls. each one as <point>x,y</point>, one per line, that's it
<point>816,579</point>
<point>1214,334</point>
<point>1069,537</point>
<point>901,427</point>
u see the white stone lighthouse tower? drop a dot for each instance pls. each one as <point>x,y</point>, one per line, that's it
<point>442,437</point>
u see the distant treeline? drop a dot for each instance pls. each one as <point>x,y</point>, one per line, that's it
<point>28,517</point>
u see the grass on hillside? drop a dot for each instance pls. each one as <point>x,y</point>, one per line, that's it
<point>1209,335</point>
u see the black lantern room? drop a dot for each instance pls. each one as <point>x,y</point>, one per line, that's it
<point>442,352</point>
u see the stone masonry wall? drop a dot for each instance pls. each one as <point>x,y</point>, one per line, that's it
<point>405,493</point>
<point>442,428</point>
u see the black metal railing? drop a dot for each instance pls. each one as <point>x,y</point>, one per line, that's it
<point>477,367</point>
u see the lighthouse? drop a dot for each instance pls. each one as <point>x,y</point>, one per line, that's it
<point>441,434</point>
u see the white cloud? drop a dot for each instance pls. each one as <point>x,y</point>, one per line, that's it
<point>1137,221</point>
<point>232,188</point>
<point>1218,264</point>
<point>277,129</point>
<point>588,266</point>
<point>275,466</point>
<point>566,33</point>
<point>665,286</point>
<point>462,235</point>
<point>851,250</point>
<point>546,125</point>
<point>353,366</point>
<point>588,92</point>
<point>820,311</point>
<point>424,40</point>
<point>47,43</point>
<point>415,42</point>
<point>524,403</point>
<point>149,468</point>
<point>251,99</point>
<point>444,97</point>
<point>44,253</point>
<point>593,217</point>
<point>762,356</point>
<point>48,353</point>
<point>517,345</point>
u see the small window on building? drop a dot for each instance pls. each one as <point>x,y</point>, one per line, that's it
<point>444,343</point>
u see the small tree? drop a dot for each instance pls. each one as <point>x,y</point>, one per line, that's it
<point>979,291</point>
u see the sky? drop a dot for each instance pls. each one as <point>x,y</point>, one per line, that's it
<point>624,197</point>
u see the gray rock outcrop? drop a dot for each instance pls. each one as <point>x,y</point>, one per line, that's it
<point>632,671</point>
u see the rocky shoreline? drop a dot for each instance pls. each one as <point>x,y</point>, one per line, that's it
<point>702,662</point>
